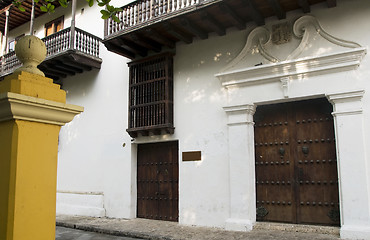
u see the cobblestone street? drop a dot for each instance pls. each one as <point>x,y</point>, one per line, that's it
<point>163,230</point>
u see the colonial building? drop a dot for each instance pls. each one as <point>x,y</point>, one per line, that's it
<point>213,113</point>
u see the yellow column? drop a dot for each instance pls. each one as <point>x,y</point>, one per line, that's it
<point>32,110</point>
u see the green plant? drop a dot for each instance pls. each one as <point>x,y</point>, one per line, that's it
<point>49,6</point>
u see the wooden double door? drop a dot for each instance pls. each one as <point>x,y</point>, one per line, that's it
<point>157,181</point>
<point>296,165</point>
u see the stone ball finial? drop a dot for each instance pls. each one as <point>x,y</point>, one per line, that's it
<point>31,51</point>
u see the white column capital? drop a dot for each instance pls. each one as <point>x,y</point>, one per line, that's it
<point>240,114</point>
<point>346,103</point>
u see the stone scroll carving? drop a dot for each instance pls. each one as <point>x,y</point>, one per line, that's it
<point>313,51</point>
<point>304,28</point>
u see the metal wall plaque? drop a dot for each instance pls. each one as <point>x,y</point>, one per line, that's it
<point>192,156</point>
<point>281,33</point>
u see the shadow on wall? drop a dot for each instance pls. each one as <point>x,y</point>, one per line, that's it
<point>80,85</point>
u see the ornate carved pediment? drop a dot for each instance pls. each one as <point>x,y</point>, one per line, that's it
<point>276,56</point>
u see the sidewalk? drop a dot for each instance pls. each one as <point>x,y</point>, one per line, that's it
<point>162,230</point>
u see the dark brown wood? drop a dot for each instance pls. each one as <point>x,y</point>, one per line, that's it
<point>52,72</point>
<point>304,5</point>
<point>18,17</point>
<point>254,12</point>
<point>59,69</point>
<point>151,95</point>
<point>146,42</point>
<point>177,33</point>
<point>68,67</point>
<point>165,41</point>
<point>193,28</point>
<point>201,18</point>
<point>119,50</point>
<point>217,26</point>
<point>238,21</point>
<point>332,3</point>
<point>133,47</point>
<point>296,168</point>
<point>279,12</point>
<point>157,181</point>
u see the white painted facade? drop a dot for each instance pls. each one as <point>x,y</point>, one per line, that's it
<point>217,89</point>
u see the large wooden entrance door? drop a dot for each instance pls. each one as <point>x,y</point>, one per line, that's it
<point>296,166</point>
<point>157,181</point>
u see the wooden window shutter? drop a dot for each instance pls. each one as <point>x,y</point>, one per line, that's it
<point>151,96</point>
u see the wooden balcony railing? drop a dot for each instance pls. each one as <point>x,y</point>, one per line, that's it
<point>144,12</point>
<point>57,43</point>
<point>153,26</point>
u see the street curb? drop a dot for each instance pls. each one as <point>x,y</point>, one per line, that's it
<point>110,231</point>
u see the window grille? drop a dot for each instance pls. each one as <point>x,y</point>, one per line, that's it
<point>151,96</point>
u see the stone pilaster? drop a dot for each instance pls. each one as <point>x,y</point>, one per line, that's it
<point>241,167</point>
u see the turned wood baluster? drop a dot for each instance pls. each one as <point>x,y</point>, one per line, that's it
<point>60,42</point>
<point>132,16</point>
<point>128,17</point>
<point>124,21</point>
<point>67,39</point>
<point>136,8</point>
<point>160,7</point>
<point>148,7</point>
<point>139,8</point>
<point>77,41</point>
<point>152,8</point>
<point>87,39</point>
<point>169,9</point>
<point>91,46</point>
<point>165,5</point>
<point>64,36</point>
<point>84,49</point>
<point>95,47</point>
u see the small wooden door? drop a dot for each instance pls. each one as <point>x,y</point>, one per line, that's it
<point>296,166</point>
<point>157,181</point>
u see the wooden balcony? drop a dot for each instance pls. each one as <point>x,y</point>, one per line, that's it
<point>68,53</point>
<point>151,25</point>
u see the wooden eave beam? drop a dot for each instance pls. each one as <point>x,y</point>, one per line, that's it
<point>254,13</point>
<point>304,5</point>
<point>177,33</point>
<point>332,3</point>
<point>57,68</point>
<point>146,42</point>
<point>214,23</point>
<point>239,22</point>
<point>165,41</point>
<point>279,11</point>
<point>132,46</point>
<point>54,77</point>
<point>84,62</point>
<point>61,65</point>
<point>193,28</point>
<point>119,50</point>
<point>52,72</point>
<point>74,64</point>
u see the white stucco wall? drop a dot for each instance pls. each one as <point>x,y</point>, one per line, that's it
<point>96,171</point>
<point>201,122</point>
